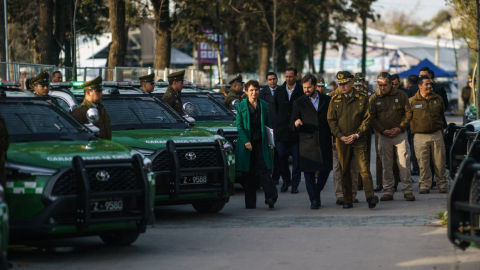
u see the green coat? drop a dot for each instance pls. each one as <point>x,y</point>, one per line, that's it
<point>242,154</point>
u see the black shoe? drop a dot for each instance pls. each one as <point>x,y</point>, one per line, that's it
<point>347,205</point>
<point>315,205</point>
<point>339,201</point>
<point>378,188</point>
<point>294,189</point>
<point>415,172</point>
<point>284,187</point>
<point>270,203</point>
<point>372,201</point>
<point>359,188</point>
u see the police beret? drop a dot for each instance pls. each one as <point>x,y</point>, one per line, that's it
<point>176,76</point>
<point>95,84</point>
<point>236,79</point>
<point>360,76</point>
<point>321,81</point>
<point>42,78</point>
<point>357,81</point>
<point>344,77</point>
<point>148,78</point>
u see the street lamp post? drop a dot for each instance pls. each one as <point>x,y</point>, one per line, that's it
<point>6,37</point>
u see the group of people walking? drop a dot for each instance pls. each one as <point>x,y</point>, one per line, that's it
<point>333,132</point>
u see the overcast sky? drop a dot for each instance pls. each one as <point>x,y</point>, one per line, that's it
<point>421,9</point>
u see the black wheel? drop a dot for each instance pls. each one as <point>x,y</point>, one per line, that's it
<point>475,200</point>
<point>120,238</point>
<point>209,207</point>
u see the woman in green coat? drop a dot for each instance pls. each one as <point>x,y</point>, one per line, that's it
<point>252,152</point>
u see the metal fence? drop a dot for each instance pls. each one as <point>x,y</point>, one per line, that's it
<point>14,71</point>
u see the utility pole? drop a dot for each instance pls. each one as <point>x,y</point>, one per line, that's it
<point>477,103</point>
<point>6,38</point>
<point>274,33</point>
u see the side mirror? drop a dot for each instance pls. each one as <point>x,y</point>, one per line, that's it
<point>188,108</point>
<point>92,115</point>
<point>235,104</point>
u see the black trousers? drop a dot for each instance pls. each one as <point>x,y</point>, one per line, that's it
<point>315,186</point>
<point>276,166</point>
<point>250,182</point>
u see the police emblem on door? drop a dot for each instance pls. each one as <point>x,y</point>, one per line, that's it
<point>190,156</point>
<point>102,176</point>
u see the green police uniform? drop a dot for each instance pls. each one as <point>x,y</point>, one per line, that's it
<point>172,97</point>
<point>347,115</point>
<point>4,143</point>
<point>104,119</point>
<point>232,95</point>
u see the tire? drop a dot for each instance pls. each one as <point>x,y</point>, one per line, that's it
<point>209,207</point>
<point>475,200</point>
<point>124,238</point>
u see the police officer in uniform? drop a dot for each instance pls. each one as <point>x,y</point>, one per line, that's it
<point>41,84</point>
<point>236,92</point>
<point>172,95</point>
<point>321,85</point>
<point>4,143</point>
<point>148,82</point>
<point>93,97</point>
<point>348,118</point>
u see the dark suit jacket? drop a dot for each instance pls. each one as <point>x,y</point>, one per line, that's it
<point>437,89</point>
<point>266,95</point>
<point>315,135</point>
<point>284,108</point>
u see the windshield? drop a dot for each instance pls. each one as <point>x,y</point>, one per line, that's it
<point>207,107</point>
<point>32,120</point>
<point>139,112</point>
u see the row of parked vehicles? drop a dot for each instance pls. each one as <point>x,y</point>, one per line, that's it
<point>63,181</point>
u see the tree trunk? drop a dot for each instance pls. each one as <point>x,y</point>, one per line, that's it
<point>311,50</point>
<point>281,62</point>
<point>44,39</point>
<point>232,50</point>
<point>325,36</point>
<point>264,63</point>
<point>322,58</point>
<point>3,55</point>
<point>364,44</point>
<point>293,52</point>
<point>60,30</point>
<point>163,37</point>
<point>118,49</point>
<point>477,30</point>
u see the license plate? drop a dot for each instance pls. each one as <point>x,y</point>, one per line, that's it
<point>106,205</point>
<point>193,178</point>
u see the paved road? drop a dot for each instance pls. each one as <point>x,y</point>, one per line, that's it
<point>395,235</point>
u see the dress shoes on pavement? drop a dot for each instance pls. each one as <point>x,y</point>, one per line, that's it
<point>294,189</point>
<point>315,205</point>
<point>271,203</point>
<point>347,205</point>
<point>424,191</point>
<point>339,201</point>
<point>378,188</point>
<point>409,197</point>
<point>386,197</point>
<point>443,190</point>
<point>372,201</point>
<point>284,187</point>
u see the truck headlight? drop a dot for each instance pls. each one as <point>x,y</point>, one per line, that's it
<point>227,146</point>
<point>145,152</point>
<point>24,171</point>
<point>147,163</point>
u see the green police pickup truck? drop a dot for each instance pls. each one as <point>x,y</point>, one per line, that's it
<point>191,165</point>
<point>62,181</point>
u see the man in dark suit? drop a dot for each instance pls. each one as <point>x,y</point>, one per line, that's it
<point>287,139</point>
<point>268,94</point>
<point>309,116</point>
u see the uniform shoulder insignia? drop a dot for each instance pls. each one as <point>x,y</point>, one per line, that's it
<point>337,100</point>
<point>361,93</point>
<point>357,95</point>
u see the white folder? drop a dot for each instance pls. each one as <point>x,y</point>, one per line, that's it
<point>270,136</point>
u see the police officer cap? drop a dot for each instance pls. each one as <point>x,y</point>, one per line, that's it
<point>42,78</point>
<point>148,78</point>
<point>176,76</point>
<point>95,84</point>
<point>360,76</point>
<point>160,80</point>
<point>321,81</point>
<point>357,81</point>
<point>236,79</point>
<point>344,77</point>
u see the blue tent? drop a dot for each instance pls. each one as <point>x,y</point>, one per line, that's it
<point>426,63</point>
